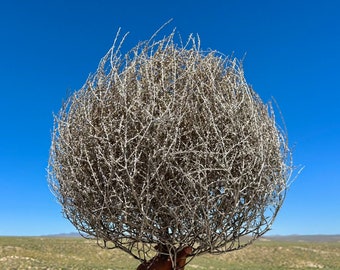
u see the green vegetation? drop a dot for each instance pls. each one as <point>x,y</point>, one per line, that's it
<point>78,253</point>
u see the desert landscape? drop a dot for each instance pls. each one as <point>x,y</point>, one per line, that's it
<point>70,252</point>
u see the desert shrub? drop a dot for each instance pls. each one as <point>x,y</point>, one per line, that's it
<point>168,144</point>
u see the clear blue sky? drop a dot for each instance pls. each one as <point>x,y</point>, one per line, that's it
<point>48,49</point>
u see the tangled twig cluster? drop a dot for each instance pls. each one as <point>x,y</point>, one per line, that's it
<point>168,144</point>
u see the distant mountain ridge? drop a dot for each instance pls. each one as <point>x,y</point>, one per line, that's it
<point>304,238</point>
<point>286,238</point>
<point>64,235</point>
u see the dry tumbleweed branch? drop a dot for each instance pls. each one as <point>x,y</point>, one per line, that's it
<point>169,145</point>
